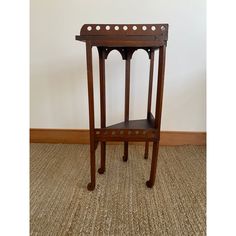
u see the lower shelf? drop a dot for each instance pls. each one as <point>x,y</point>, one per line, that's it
<point>133,130</point>
<point>133,124</point>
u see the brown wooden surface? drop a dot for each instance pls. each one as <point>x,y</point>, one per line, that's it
<point>126,43</point>
<point>149,115</point>
<point>150,82</point>
<point>127,95</point>
<point>159,97</point>
<point>119,29</point>
<point>126,39</point>
<point>81,136</point>
<point>133,124</point>
<point>137,135</point>
<point>91,185</point>
<point>144,35</point>
<point>101,51</point>
<point>160,86</point>
<point>152,178</point>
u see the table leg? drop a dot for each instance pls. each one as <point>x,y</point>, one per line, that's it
<point>149,95</point>
<point>159,98</point>
<point>126,149</point>
<point>146,150</point>
<point>155,149</point>
<point>91,185</point>
<point>127,93</point>
<point>101,52</point>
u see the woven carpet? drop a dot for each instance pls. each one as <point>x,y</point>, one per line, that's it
<point>121,204</point>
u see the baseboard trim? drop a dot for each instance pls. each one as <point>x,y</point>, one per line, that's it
<point>81,136</point>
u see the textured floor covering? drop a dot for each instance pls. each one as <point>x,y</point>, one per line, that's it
<point>121,204</point>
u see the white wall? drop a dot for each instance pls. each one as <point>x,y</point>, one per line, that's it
<point>58,86</point>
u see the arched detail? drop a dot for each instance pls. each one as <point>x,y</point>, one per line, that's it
<point>148,51</point>
<point>125,52</point>
<point>120,50</point>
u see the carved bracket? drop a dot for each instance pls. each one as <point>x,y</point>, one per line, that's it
<point>126,52</point>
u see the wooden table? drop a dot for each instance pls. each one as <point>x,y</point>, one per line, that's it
<point>126,39</point>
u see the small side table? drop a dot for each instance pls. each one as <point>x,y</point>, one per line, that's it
<point>126,39</point>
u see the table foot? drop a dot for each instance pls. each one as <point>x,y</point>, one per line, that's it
<point>91,187</point>
<point>125,158</point>
<point>146,150</point>
<point>101,170</point>
<point>149,184</point>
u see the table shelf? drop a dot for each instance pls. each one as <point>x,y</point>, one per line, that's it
<point>134,124</point>
<point>132,130</point>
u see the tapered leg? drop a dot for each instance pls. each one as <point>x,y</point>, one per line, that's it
<point>127,91</point>
<point>126,148</point>
<point>101,52</point>
<point>160,84</point>
<point>102,169</point>
<point>146,150</point>
<point>149,95</point>
<point>91,185</point>
<point>151,181</point>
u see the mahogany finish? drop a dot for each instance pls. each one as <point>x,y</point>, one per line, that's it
<point>126,39</point>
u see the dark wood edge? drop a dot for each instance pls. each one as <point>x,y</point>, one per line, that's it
<point>128,43</point>
<point>136,135</point>
<point>81,136</point>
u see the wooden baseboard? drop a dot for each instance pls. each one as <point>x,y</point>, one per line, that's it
<point>80,136</point>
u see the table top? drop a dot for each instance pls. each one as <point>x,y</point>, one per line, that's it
<point>120,35</point>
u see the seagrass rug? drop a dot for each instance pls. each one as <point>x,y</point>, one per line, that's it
<point>121,204</point>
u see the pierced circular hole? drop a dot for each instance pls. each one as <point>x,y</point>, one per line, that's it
<point>97,132</point>
<point>137,132</point>
<point>144,28</point>
<point>113,132</point>
<point>98,27</point>
<point>89,28</point>
<point>129,132</point>
<point>163,28</point>
<point>134,27</point>
<point>121,132</point>
<point>108,27</point>
<point>116,27</point>
<point>153,28</point>
<point>125,27</point>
